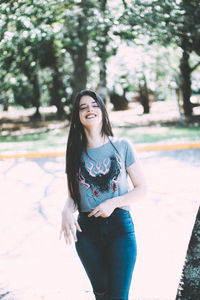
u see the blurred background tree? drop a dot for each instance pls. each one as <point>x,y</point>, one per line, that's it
<point>50,50</point>
<point>174,22</point>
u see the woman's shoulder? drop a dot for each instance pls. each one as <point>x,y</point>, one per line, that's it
<point>126,148</point>
<point>122,142</point>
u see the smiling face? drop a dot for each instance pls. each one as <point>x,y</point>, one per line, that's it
<point>89,112</point>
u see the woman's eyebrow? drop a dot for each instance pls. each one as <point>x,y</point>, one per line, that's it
<point>94,102</point>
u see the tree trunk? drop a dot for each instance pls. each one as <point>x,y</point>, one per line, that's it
<point>80,54</point>
<point>189,287</point>
<point>103,79</point>
<point>80,69</point>
<point>57,92</point>
<point>103,55</point>
<point>36,92</point>
<point>186,83</point>
<point>5,102</point>
<point>144,95</point>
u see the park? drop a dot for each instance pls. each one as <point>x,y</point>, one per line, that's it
<point>143,58</point>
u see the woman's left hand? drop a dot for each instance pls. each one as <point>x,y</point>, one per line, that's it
<point>104,209</point>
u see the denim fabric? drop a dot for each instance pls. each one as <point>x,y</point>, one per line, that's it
<point>107,249</point>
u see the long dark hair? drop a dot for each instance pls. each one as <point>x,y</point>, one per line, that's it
<point>77,142</point>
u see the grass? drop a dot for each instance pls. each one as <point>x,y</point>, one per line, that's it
<point>160,134</point>
<point>34,142</point>
<point>56,140</point>
<point>162,113</point>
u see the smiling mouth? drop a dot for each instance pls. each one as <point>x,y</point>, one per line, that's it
<point>90,116</point>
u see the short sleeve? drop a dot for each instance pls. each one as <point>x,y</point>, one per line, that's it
<point>130,155</point>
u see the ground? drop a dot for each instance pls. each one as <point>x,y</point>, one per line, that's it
<point>165,113</point>
<point>36,265</point>
<point>19,134</point>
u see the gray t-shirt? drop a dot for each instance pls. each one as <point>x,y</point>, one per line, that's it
<point>103,173</point>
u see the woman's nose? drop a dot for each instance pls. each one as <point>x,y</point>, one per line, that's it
<point>90,108</point>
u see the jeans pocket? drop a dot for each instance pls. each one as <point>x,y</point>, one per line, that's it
<point>127,225</point>
<point>121,212</point>
<point>122,224</point>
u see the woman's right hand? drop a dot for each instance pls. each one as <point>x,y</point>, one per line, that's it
<point>68,226</point>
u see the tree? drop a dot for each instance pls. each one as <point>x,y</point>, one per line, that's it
<point>49,57</point>
<point>102,38</point>
<point>78,17</point>
<point>189,286</point>
<point>30,43</point>
<point>167,22</point>
<point>144,94</point>
<point>22,41</point>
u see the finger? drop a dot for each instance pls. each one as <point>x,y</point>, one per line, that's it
<point>67,236</point>
<point>68,239</point>
<point>93,212</point>
<point>104,216</point>
<point>78,226</point>
<point>98,214</point>
<point>74,234</point>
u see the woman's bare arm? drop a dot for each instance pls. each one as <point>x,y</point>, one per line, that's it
<point>138,192</point>
<point>139,183</point>
<point>68,223</point>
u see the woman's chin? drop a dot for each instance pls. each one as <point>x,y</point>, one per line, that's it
<point>90,123</point>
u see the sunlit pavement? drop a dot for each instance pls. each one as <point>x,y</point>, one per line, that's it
<point>35,264</point>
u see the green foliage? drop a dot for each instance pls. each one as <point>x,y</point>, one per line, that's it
<point>168,22</point>
<point>23,93</point>
<point>59,47</point>
<point>30,43</point>
<point>165,21</point>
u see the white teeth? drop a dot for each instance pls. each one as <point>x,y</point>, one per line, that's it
<point>91,117</point>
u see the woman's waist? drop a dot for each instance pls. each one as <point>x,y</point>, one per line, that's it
<point>122,211</point>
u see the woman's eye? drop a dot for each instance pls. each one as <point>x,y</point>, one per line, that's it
<point>82,108</point>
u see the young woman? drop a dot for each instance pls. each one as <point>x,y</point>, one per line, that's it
<point>97,165</point>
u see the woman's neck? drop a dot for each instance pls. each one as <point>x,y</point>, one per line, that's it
<point>94,138</point>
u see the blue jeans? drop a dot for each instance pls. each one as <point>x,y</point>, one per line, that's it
<point>107,249</point>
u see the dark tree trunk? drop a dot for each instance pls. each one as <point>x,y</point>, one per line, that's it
<point>79,56</point>
<point>103,55</point>
<point>36,94</point>
<point>186,83</point>
<point>80,69</point>
<point>5,104</point>
<point>57,92</point>
<point>119,102</point>
<point>103,78</point>
<point>32,76</point>
<point>189,287</point>
<point>144,96</point>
